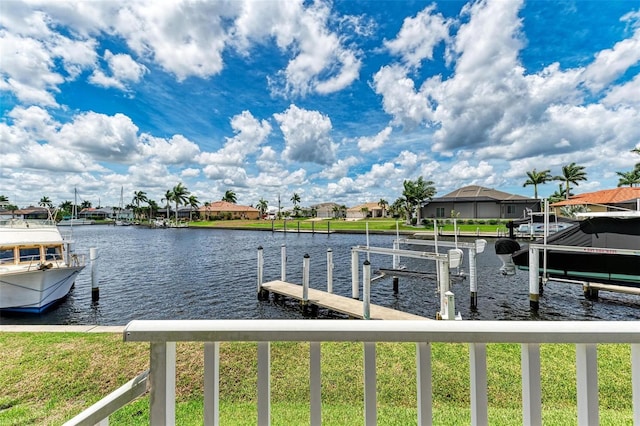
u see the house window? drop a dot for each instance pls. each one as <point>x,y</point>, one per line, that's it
<point>511,209</point>
<point>439,211</point>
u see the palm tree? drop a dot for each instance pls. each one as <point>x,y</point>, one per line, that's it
<point>180,195</point>
<point>365,211</point>
<point>629,178</point>
<point>537,178</point>
<point>66,206</point>
<point>45,202</point>
<point>153,207</point>
<point>230,197</point>
<point>559,195</point>
<point>383,205</point>
<point>262,206</point>
<point>415,193</point>
<point>192,202</point>
<point>4,199</point>
<point>86,204</point>
<point>295,199</point>
<point>139,197</point>
<point>571,174</point>
<point>168,196</point>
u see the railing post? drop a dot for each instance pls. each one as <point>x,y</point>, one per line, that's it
<point>534,288</point>
<point>587,383</point>
<point>479,401</point>
<point>211,383</point>
<point>329,271</point>
<point>423,371</point>
<point>264,383</point>
<point>635,382</point>
<point>366,292</point>
<point>315,383</point>
<point>283,263</point>
<point>531,388</point>
<point>443,284</point>
<point>162,375</point>
<point>370,405</point>
<point>355,290</point>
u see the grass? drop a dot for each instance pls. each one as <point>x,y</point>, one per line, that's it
<point>374,225</point>
<point>47,378</point>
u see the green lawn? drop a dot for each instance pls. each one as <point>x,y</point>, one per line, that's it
<point>47,378</point>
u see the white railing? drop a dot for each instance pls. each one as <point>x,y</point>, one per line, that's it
<point>586,335</point>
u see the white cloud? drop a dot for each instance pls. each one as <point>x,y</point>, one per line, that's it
<point>321,63</point>
<point>123,70</point>
<point>177,150</point>
<point>307,136</point>
<point>339,169</point>
<point>368,144</point>
<point>419,36</point>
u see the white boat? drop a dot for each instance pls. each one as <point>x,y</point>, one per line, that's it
<point>74,221</point>
<point>37,268</point>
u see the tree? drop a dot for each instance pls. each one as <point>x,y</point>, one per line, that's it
<point>12,208</point>
<point>168,196</point>
<point>537,178</point>
<point>559,195</point>
<point>398,208</point>
<point>45,202</point>
<point>415,193</point>
<point>179,196</point>
<point>4,199</point>
<point>86,204</point>
<point>262,206</point>
<point>295,199</point>
<point>383,205</point>
<point>153,207</point>
<point>192,202</point>
<point>629,178</point>
<point>66,206</point>
<point>365,211</point>
<point>571,174</point>
<point>230,197</point>
<point>139,197</point>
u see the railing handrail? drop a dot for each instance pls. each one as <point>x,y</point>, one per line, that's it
<point>577,332</point>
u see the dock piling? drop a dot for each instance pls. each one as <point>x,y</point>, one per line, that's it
<point>262,293</point>
<point>283,262</point>
<point>534,287</point>
<point>355,290</point>
<point>366,292</point>
<point>95,289</point>
<point>329,271</point>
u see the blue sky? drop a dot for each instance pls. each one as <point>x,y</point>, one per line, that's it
<point>335,101</point>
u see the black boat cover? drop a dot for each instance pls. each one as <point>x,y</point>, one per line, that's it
<point>597,232</point>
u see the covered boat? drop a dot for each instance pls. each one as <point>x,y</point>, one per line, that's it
<point>36,266</point>
<point>602,264</point>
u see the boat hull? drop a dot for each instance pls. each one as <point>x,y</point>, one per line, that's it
<point>36,290</point>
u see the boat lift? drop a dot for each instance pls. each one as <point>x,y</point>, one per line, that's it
<point>452,259</point>
<point>473,248</point>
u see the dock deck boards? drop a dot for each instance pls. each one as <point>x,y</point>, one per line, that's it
<point>334,302</point>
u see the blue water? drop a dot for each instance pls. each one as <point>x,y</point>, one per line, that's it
<point>212,274</point>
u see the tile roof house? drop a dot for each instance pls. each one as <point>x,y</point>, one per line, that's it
<point>326,210</point>
<point>605,200</point>
<point>365,210</point>
<point>478,202</point>
<point>224,209</point>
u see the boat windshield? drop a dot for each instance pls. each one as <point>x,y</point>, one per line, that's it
<point>29,254</point>
<point>6,255</point>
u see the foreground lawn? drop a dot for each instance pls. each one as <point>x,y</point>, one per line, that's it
<point>47,378</point>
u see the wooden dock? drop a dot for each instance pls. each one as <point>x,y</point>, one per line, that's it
<point>336,303</point>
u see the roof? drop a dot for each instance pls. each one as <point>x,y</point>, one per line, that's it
<point>369,206</point>
<point>224,206</point>
<point>606,196</point>
<point>480,193</point>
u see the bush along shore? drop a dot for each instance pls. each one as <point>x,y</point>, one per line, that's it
<point>47,378</point>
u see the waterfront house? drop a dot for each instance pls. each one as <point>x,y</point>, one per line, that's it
<point>225,210</point>
<point>607,200</point>
<point>30,212</point>
<point>329,210</point>
<point>365,210</point>
<point>478,202</point>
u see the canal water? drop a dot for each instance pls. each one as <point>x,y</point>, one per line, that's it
<point>212,274</point>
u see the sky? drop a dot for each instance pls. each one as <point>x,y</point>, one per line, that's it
<point>333,101</point>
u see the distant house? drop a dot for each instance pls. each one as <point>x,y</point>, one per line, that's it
<point>226,210</point>
<point>365,210</point>
<point>478,202</point>
<point>30,212</point>
<point>328,210</point>
<point>604,201</point>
